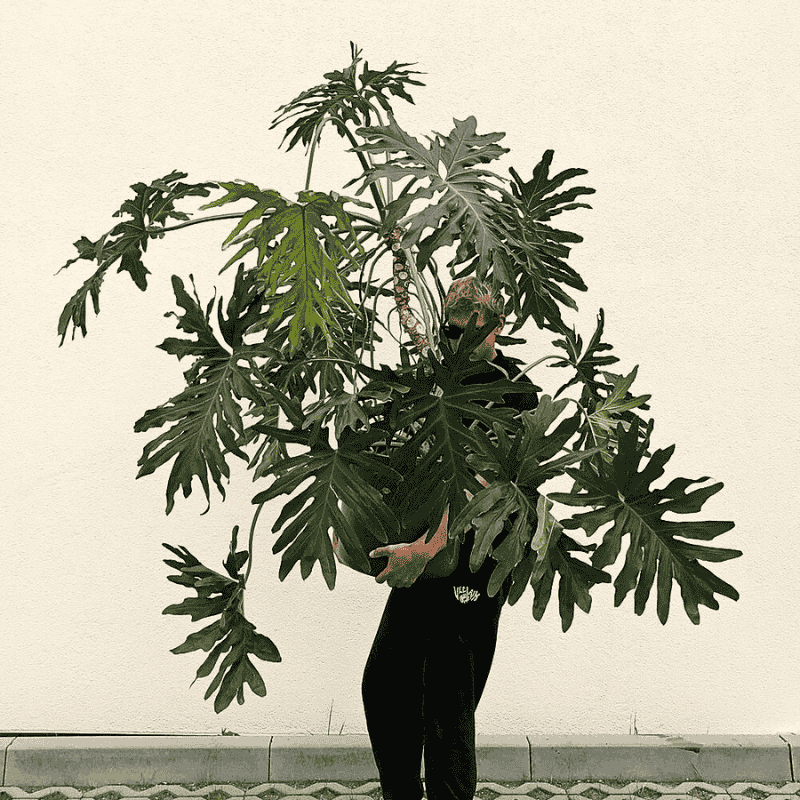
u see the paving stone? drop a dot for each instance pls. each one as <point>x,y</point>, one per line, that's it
<point>751,758</point>
<point>539,789</point>
<point>323,790</point>
<point>98,760</point>
<point>503,758</point>
<point>65,791</point>
<point>346,757</point>
<point>738,788</point>
<point>647,757</point>
<point>660,758</point>
<point>771,797</point>
<point>509,796</point>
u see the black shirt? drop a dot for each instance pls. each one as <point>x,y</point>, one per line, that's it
<point>521,402</point>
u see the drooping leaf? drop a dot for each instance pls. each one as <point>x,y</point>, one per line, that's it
<point>75,309</point>
<point>339,475</point>
<point>576,579</point>
<point>548,532</point>
<point>231,633</point>
<point>148,212</point>
<point>624,498</point>
<point>550,554</point>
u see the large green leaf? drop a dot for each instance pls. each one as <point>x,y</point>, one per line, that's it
<point>465,208</point>
<point>297,251</point>
<point>220,595</point>
<point>339,476</point>
<point>206,416</point>
<point>518,464</point>
<point>437,411</point>
<point>540,267</point>
<point>148,212</point>
<point>625,499</point>
<point>550,554</point>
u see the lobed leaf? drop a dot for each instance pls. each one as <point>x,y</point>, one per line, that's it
<point>231,633</point>
<point>625,500</point>
<point>205,416</point>
<point>298,252</point>
<point>340,99</point>
<point>465,207</point>
<point>149,210</point>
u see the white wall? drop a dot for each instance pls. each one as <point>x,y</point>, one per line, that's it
<point>685,114</point>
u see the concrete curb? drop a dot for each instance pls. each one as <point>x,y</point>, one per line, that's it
<point>146,760</point>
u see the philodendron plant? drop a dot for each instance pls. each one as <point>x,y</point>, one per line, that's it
<point>290,360</point>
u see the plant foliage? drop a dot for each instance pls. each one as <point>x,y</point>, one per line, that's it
<point>222,596</point>
<point>288,359</point>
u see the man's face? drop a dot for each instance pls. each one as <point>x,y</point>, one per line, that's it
<point>486,348</point>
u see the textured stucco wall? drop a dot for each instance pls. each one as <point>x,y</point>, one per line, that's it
<point>685,114</point>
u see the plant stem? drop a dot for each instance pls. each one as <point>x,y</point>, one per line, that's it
<point>195,222</point>
<point>376,194</point>
<point>534,364</point>
<point>250,543</point>
<point>389,194</point>
<point>424,300</point>
<point>588,419</point>
<point>314,140</point>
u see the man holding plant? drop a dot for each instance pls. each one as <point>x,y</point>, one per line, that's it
<point>433,650</point>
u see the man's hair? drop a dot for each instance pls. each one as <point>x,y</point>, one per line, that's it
<point>468,295</point>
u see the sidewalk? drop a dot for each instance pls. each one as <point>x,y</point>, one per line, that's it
<point>651,767</point>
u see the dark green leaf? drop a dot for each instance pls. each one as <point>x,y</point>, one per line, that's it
<point>231,633</point>
<point>202,640</point>
<point>206,416</point>
<point>465,210</point>
<point>626,500</point>
<point>148,211</point>
<point>264,648</point>
<point>538,251</point>
<point>342,99</point>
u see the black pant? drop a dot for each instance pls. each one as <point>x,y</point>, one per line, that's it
<point>424,677</point>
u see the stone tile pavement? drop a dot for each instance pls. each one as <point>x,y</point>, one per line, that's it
<point>512,767</point>
<point>370,790</point>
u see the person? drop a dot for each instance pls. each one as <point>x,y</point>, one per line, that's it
<point>432,653</point>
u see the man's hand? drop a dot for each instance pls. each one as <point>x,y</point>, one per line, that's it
<point>406,563</point>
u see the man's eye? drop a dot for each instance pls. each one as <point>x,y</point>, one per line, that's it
<point>452,331</point>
